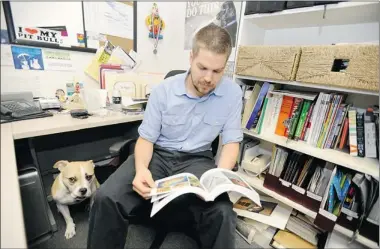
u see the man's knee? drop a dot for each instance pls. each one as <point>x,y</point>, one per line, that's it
<point>224,210</point>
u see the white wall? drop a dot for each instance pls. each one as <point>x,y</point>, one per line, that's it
<point>171,54</point>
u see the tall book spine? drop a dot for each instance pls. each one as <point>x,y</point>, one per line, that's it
<point>338,133</point>
<point>344,133</point>
<point>298,103</point>
<point>352,132</point>
<point>360,133</point>
<point>307,122</point>
<point>259,102</point>
<point>284,115</point>
<point>334,127</point>
<point>301,122</point>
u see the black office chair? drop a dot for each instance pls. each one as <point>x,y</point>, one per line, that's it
<point>126,148</point>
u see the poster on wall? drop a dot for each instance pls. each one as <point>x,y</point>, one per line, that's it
<point>57,60</point>
<point>199,14</point>
<point>27,58</point>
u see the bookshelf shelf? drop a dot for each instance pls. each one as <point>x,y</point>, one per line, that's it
<point>330,14</point>
<point>258,185</point>
<point>365,165</point>
<point>360,239</point>
<point>309,85</point>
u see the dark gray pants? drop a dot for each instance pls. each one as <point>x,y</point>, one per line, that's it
<point>115,202</point>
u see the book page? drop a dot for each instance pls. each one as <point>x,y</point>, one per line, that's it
<point>217,181</point>
<point>175,183</point>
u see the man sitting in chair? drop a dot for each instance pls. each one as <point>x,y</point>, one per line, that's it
<point>185,113</point>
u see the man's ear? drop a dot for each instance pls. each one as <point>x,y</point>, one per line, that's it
<point>60,165</point>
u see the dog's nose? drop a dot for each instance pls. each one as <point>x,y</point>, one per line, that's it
<point>83,191</point>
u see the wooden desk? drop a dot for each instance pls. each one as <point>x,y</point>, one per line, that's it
<point>65,123</point>
<point>12,220</point>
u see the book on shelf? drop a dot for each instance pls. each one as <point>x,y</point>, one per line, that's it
<point>209,186</point>
<point>321,120</point>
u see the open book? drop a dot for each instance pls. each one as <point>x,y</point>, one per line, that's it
<point>211,184</point>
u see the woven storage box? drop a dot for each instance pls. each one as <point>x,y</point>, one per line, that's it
<point>273,62</point>
<point>349,66</point>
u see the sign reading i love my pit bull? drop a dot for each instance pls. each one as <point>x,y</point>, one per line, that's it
<point>39,35</point>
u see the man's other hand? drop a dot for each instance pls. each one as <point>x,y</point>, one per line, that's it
<point>143,183</point>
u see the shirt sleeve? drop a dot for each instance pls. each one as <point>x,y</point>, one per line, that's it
<point>232,131</point>
<point>150,127</point>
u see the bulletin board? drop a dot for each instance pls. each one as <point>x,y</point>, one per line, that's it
<point>88,26</point>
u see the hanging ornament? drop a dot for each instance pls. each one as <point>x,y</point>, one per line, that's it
<point>155,25</point>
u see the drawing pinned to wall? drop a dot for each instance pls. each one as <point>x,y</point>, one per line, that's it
<point>27,58</point>
<point>57,60</point>
<point>155,25</point>
<point>111,18</point>
<point>199,14</point>
<point>80,39</point>
<point>4,36</point>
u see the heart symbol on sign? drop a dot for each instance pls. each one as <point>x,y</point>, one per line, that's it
<point>31,31</point>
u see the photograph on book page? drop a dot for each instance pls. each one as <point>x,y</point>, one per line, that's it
<point>273,213</point>
<point>193,182</point>
<point>266,208</point>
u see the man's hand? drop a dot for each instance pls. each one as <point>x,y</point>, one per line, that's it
<point>143,183</point>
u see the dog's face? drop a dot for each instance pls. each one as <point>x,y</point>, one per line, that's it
<point>77,177</point>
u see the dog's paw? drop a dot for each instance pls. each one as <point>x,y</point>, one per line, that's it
<point>70,230</point>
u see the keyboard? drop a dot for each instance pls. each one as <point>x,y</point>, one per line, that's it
<point>19,111</point>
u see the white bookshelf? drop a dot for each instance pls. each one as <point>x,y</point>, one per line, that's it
<point>361,164</point>
<point>344,22</point>
<point>258,185</point>
<point>309,85</point>
<point>330,14</point>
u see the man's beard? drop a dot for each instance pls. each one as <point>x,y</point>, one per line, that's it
<point>196,87</point>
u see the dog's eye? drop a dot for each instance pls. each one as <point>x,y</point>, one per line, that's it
<point>72,179</point>
<point>88,178</point>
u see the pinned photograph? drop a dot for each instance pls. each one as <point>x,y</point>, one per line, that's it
<point>27,58</point>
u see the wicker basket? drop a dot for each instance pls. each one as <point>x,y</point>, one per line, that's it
<point>273,62</point>
<point>350,66</point>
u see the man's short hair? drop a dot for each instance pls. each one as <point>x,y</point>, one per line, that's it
<point>213,38</point>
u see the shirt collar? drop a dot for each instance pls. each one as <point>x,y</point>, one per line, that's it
<point>180,88</point>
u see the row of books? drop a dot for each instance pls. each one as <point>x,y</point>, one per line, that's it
<point>299,232</point>
<point>301,170</point>
<point>321,120</point>
<point>353,194</point>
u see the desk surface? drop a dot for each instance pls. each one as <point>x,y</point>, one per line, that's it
<point>12,219</point>
<point>65,123</point>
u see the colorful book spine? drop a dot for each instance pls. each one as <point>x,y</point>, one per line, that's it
<point>334,127</point>
<point>360,133</point>
<point>352,132</point>
<point>258,105</point>
<point>297,107</point>
<point>302,120</point>
<point>284,115</point>
<point>307,122</point>
<point>344,135</point>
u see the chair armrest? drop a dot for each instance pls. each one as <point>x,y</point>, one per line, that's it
<point>117,147</point>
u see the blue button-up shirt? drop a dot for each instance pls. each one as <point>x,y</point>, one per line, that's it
<point>177,121</point>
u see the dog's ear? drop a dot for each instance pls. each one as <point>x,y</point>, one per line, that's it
<point>60,164</point>
<point>91,162</point>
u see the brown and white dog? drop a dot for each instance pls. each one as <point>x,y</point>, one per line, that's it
<point>75,183</point>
